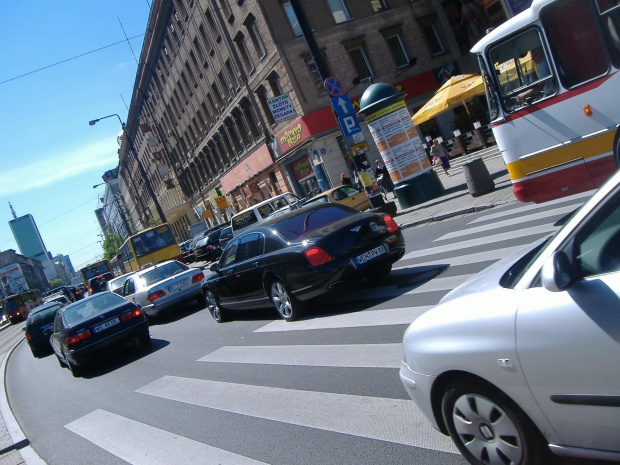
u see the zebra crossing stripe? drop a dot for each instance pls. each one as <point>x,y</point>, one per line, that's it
<point>506,223</point>
<point>462,245</point>
<point>392,420</point>
<point>345,355</point>
<point>480,257</point>
<point>385,317</point>
<point>141,444</point>
<point>535,206</point>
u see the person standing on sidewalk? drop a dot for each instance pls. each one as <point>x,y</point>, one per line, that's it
<point>439,152</point>
<point>383,179</point>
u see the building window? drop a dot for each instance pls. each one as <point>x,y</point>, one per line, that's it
<point>226,11</point>
<point>379,5</point>
<point>273,80</point>
<point>316,75</point>
<point>255,37</point>
<point>432,39</point>
<point>261,93</point>
<point>397,49</point>
<point>205,40</point>
<point>292,19</point>
<point>213,27</point>
<point>360,62</point>
<point>339,11</point>
<point>243,52</point>
<point>232,74</point>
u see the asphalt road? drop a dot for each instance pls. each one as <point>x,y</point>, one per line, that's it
<point>323,390</point>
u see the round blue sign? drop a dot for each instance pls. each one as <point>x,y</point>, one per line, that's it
<point>333,86</point>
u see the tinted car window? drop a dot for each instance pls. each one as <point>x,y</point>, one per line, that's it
<point>229,255</point>
<point>250,245</point>
<point>298,225</point>
<point>243,220</point>
<point>86,308</point>
<point>162,272</point>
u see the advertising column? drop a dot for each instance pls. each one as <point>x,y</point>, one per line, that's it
<point>399,144</point>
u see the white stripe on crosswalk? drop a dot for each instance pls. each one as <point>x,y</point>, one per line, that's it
<point>141,444</point>
<point>344,355</point>
<point>463,245</point>
<point>440,284</point>
<point>392,420</point>
<point>385,317</point>
<point>506,223</point>
<point>535,206</point>
<point>480,257</point>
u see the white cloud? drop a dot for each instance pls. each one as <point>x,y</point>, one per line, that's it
<point>48,171</point>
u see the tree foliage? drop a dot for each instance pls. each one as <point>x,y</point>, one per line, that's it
<point>54,283</point>
<point>111,244</point>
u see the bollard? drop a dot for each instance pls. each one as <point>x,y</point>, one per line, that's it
<point>479,181</point>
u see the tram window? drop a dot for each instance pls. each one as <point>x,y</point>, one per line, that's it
<point>576,46</point>
<point>609,11</point>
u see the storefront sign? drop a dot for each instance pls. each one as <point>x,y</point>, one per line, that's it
<point>398,142</point>
<point>281,108</point>
<point>221,203</point>
<point>246,169</point>
<point>305,127</point>
<point>301,168</point>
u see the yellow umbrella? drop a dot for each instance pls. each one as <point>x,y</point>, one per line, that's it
<point>454,92</point>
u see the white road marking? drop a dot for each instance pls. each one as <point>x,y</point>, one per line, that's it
<point>141,444</point>
<point>480,257</point>
<point>392,420</point>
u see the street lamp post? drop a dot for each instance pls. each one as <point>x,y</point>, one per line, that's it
<point>120,210</point>
<point>147,182</point>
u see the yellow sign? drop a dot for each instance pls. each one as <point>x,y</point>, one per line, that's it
<point>221,202</point>
<point>364,178</point>
<point>207,214</point>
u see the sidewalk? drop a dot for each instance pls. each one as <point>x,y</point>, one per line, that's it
<point>455,201</point>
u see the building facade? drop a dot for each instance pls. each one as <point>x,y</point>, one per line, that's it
<point>19,273</point>
<point>28,238</point>
<point>229,106</point>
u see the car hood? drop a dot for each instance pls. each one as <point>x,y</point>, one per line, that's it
<point>490,277</point>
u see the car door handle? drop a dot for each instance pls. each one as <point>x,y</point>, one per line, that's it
<point>256,263</point>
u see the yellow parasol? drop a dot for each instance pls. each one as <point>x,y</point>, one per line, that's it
<point>454,92</point>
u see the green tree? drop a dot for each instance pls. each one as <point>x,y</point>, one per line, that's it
<point>54,283</point>
<point>111,244</point>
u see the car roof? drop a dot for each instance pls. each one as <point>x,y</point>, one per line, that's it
<point>44,306</point>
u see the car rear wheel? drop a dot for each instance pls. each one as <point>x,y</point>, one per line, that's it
<point>220,315</point>
<point>489,429</point>
<point>286,304</point>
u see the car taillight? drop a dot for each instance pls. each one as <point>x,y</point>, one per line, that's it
<point>390,223</point>
<point>131,314</point>
<point>198,277</point>
<point>77,337</point>
<point>316,256</point>
<point>155,295</point>
<point>28,336</point>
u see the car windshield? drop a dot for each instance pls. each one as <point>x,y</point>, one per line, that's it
<point>162,272</point>
<point>309,220</point>
<point>516,271</point>
<point>84,309</point>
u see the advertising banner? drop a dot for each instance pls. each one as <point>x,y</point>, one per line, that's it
<point>12,280</point>
<point>398,142</point>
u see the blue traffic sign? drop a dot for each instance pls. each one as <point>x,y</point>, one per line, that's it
<point>333,86</point>
<point>342,105</point>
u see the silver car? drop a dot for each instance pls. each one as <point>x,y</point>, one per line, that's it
<point>116,285</point>
<point>524,359</point>
<point>163,286</point>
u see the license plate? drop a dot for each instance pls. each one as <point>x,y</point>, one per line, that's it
<point>365,257</point>
<point>174,286</point>
<point>106,325</point>
<point>47,328</point>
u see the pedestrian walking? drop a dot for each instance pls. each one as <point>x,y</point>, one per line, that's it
<point>345,180</point>
<point>440,153</point>
<point>384,180</point>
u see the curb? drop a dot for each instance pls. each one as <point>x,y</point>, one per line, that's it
<point>20,442</point>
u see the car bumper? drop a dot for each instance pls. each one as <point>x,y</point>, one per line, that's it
<point>419,386</point>
<point>161,305</point>
<point>85,353</point>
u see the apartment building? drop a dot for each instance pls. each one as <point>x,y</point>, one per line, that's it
<point>229,106</point>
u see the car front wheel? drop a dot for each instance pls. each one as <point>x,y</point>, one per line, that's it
<point>489,429</point>
<point>286,304</point>
<point>216,311</point>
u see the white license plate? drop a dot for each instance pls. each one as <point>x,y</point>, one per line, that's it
<point>106,325</point>
<point>174,286</point>
<point>47,328</point>
<point>365,257</point>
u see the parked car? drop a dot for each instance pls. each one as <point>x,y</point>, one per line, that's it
<point>96,323</point>
<point>208,248</point>
<point>522,359</point>
<point>39,326</point>
<point>116,285</point>
<point>186,251</point>
<point>163,286</point>
<point>64,290</point>
<point>98,283</point>
<point>290,259</point>
<point>59,297</point>
<point>350,196</point>
<point>225,236</point>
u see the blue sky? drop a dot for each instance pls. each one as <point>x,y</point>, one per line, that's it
<point>50,157</point>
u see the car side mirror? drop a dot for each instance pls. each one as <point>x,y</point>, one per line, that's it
<point>557,273</point>
<point>214,267</point>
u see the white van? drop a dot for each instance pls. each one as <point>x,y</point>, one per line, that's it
<point>259,212</point>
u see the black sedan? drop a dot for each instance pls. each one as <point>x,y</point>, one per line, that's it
<point>84,329</point>
<point>39,327</point>
<point>290,259</point>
